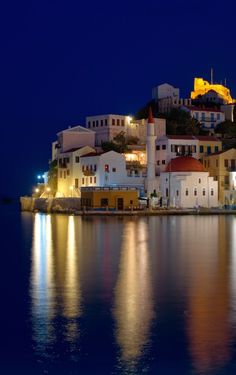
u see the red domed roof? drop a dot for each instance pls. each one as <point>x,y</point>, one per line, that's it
<point>185,164</point>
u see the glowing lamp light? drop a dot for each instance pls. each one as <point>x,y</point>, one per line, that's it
<point>39,177</point>
<point>48,189</point>
<point>36,190</point>
<point>71,187</point>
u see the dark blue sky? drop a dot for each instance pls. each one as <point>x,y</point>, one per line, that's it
<point>63,60</point>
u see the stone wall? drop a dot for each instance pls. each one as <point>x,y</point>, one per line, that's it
<point>59,205</point>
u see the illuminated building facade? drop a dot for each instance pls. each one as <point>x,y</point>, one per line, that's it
<point>106,127</point>
<point>202,87</point>
<point>209,118</point>
<point>186,184</point>
<point>219,166</point>
<point>170,146</point>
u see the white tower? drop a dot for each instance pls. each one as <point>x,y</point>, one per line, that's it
<point>151,152</point>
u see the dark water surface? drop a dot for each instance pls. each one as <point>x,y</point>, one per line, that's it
<point>151,295</point>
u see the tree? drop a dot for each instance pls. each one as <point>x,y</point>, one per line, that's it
<point>110,146</point>
<point>226,128</point>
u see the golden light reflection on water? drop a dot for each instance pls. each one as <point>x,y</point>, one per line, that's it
<point>72,292</point>
<point>42,290</point>
<point>133,307</point>
<point>207,319</point>
<point>55,286</point>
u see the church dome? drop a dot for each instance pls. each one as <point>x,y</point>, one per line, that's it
<point>185,164</point>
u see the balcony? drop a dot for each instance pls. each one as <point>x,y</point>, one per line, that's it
<point>88,173</point>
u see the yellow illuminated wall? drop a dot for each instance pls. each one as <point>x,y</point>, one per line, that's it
<point>201,87</point>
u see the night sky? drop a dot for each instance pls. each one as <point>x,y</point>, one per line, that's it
<point>64,60</point>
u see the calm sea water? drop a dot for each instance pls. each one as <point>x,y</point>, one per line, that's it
<point>151,295</point>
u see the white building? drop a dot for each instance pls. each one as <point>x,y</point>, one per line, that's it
<point>170,146</point>
<point>108,126</point>
<point>71,138</point>
<point>186,184</point>
<point>168,98</point>
<point>209,118</point>
<point>84,167</point>
<point>165,91</point>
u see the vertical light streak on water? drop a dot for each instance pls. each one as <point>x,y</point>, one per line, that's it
<point>72,292</point>
<point>233,273</point>
<point>42,291</point>
<point>207,314</point>
<point>133,306</point>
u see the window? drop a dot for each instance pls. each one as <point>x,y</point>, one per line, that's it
<point>218,116</point>
<point>216,148</point>
<point>83,181</point>
<point>172,148</point>
<point>186,192</point>
<point>157,147</point>
<point>204,192</point>
<point>233,164</point>
<point>208,150</point>
<point>91,180</point>
<point>96,123</point>
<point>167,192</point>
<point>122,122</point>
<point>91,167</point>
<point>76,183</point>
<point>77,159</point>
<point>95,167</point>
<point>68,172</point>
<point>94,180</point>
<point>226,179</point>
<point>158,162</point>
<point>106,168</point>
<point>195,192</point>
<point>113,121</point>
<point>113,169</point>
<point>101,122</point>
<point>163,162</point>
<point>93,124</point>
<point>226,163</point>
<point>118,122</point>
<point>89,124</point>
<point>64,174</point>
<point>131,201</point>
<point>199,180</point>
<point>163,147</point>
<point>212,191</point>
<point>201,149</point>
<point>177,193</point>
<point>106,121</point>
<point>104,202</point>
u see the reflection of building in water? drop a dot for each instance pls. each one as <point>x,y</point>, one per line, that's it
<point>133,309</point>
<point>42,291</point>
<point>55,287</point>
<point>208,320</point>
<point>72,292</point>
